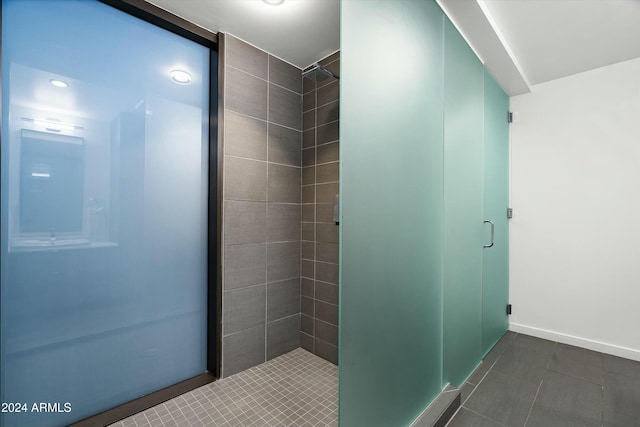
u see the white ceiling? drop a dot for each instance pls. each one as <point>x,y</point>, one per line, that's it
<point>522,42</point>
<point>551,39</point>
<point>300,32</point>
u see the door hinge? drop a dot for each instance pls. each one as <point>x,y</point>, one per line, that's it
<point>509,117</point>
<point>509,213</point>
<point>508,309</point>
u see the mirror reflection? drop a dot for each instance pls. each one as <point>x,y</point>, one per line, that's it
<point>51,183</point>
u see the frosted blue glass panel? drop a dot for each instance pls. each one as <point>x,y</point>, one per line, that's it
<point>104,209</point>
<point>391,198</point>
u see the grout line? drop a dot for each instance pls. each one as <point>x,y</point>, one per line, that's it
<point>243,114</point>
<point>533,403</point>
<point>267,80</point>
<point>266,216</point>
<point>475,386</point>
<point>315,209</point>
<point>263,161</point>
<point>335,101</point>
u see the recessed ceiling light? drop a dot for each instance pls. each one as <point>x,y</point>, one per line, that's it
<point>58,83</point>
<point>273,2</point>
<point>181,77</point>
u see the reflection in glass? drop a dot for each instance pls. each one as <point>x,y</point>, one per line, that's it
<point>51,182</point>
<point>104,209</point>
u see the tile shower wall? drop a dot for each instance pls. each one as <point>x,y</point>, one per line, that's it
<point>262,172</point>
<point>320,179</point>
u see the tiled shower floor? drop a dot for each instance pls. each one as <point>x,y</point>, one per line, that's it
<point>295,389</point>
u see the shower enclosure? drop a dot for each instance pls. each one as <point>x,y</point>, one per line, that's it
<point>105,181</point>
<point>424,187</point>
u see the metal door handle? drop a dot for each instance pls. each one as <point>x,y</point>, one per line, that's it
<point>493,230</point>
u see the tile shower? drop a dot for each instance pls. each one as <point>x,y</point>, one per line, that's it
<point>280,243</point>
<point>320,181</point>
<point>261,213</point>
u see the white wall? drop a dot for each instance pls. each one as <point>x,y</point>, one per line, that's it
<point>575,235</point>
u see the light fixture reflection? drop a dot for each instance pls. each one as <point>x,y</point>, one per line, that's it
<point>52,125</point>
<point>58,83</point>
<point>273,2</point>
<point>181,77</point>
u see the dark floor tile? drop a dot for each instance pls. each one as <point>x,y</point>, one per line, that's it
<point>622,394</point>
<point>503,398</point>
<point>629,368</point>
<point>478,374</point>
<point>567,401</point>
<point>616,419</point>
<point>541,418</point>
<point>491,357</point>
<point>499,348</point>
<point>465,391</point>
<point>526,358</point>
<point>577,362</point>
<point>467,418</point>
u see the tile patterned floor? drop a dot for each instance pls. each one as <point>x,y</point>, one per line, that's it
<point>295,389</point>
<point>531,382</point>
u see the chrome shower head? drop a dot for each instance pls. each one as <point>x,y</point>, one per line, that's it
<point>318,73</point>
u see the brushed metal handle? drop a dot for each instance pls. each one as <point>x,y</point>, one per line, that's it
<point>493,231</point>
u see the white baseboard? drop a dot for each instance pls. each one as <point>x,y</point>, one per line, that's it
<point>627,353</point>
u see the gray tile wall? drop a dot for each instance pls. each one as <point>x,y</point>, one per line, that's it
<point>319,233</point>
<point>262,207</point>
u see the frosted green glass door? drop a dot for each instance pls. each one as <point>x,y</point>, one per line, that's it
<point>463,219</point>
<point>391,197</point>
<point>495,271</point>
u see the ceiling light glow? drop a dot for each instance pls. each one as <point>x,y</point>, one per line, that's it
<point>40,175</point>
<point>273,2</point>
<point>58,83</point>
<point>181,77</point>
<point>55,126</point>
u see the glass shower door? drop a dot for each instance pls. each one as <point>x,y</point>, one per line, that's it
<point>495,260</point>
<point>104,209</point>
